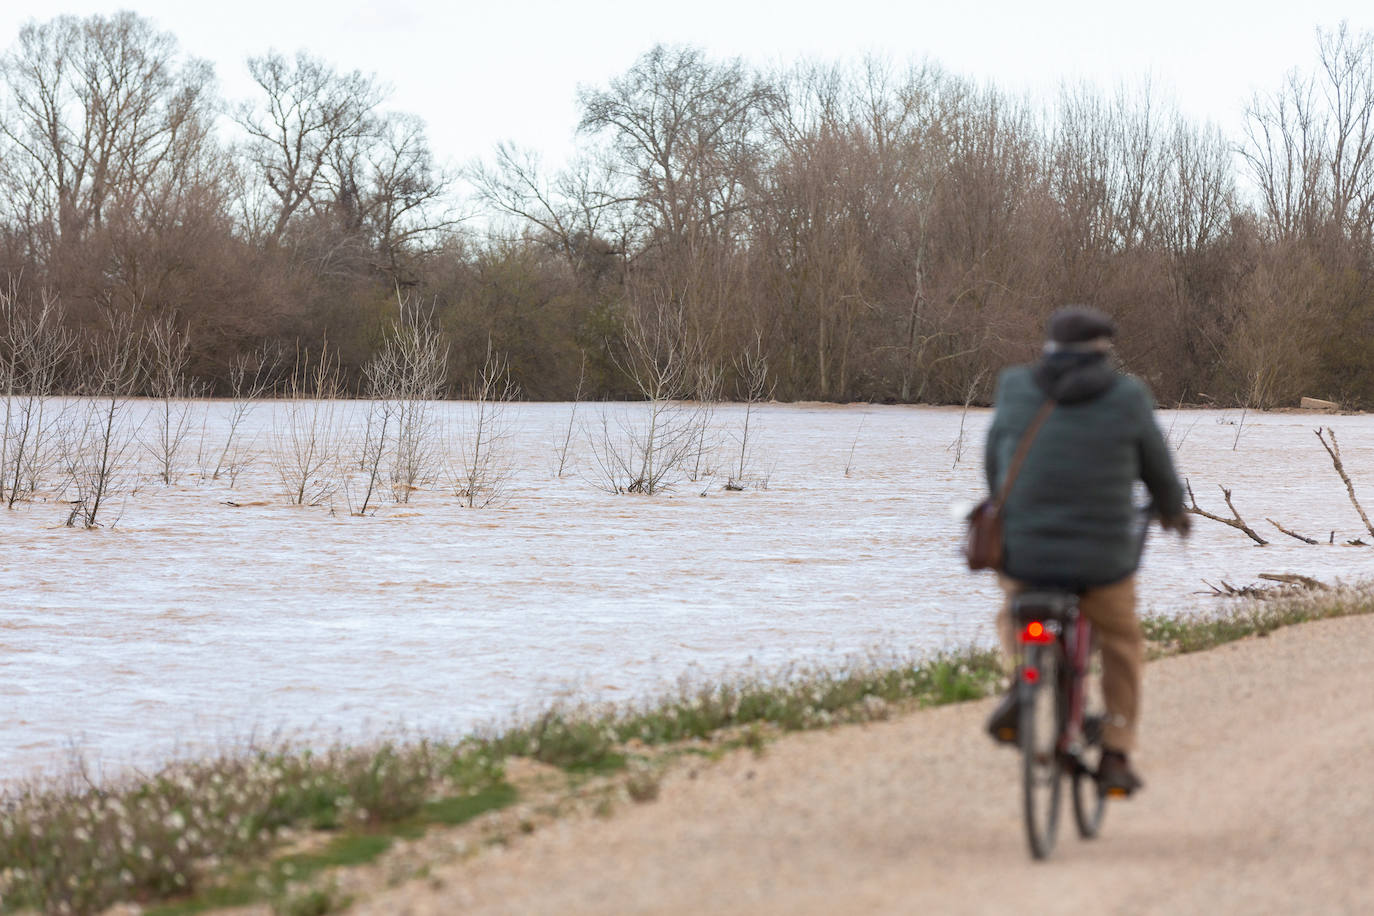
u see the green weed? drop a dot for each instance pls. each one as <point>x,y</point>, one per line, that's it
<point>1195,633</point>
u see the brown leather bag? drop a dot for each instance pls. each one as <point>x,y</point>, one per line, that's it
<point>983,545</point>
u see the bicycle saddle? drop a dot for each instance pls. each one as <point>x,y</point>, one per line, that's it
<point>1043,604</point>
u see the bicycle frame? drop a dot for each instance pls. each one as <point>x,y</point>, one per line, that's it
<point>1076,639</point>
<point>1056,643</point>
<point>1077,649</point>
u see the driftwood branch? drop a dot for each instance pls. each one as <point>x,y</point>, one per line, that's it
<point>1294,580</point>
<point>1287,584</point>
<point>1292,534</point>
<point>1334,450</point>
<point>1235,521</point>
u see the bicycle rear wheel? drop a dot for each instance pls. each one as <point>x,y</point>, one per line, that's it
<point>1089,804</point>
<point>1038,733</point>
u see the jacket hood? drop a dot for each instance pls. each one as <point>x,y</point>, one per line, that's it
<point>1073,378</point>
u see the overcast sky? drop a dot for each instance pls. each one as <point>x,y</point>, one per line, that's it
<point>480,73</point>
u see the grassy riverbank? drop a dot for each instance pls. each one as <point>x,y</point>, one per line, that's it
<point>270,825</point>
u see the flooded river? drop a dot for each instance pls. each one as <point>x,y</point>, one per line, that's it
<point>211,614</point>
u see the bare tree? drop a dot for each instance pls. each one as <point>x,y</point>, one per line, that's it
<point>686,143</point>
<point>1347,65</point>
<point>567,212</point>
<point>100,108</point>
<point>403,198</point>
<point>309,112</point>
<point>683,128</point>
<point>1310,146</point>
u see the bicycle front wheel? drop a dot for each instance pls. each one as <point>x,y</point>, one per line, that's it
<point>1038,731</point>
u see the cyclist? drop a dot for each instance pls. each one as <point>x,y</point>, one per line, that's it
<point>1070,519</point>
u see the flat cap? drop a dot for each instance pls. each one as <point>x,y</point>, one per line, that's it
<point>1079,324</point>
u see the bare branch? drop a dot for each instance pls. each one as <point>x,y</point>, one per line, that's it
<point>1235,521</point>
<point>1292,534</point>
<point>1334,450</point>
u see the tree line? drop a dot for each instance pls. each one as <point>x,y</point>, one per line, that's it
<point>864,230</point>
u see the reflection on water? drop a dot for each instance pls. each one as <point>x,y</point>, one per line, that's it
<point>195,623</point>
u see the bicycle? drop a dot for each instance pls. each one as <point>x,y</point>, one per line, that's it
<point>1060,729</point>
<point>1060,726</point>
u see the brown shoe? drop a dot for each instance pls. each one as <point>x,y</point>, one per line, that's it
<point>1115,778</point>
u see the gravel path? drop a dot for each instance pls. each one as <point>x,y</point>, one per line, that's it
<point>1259,799</point>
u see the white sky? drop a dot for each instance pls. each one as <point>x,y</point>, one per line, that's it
<point>480,73</point>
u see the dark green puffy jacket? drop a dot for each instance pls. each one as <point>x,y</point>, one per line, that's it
<point>1071,519</point>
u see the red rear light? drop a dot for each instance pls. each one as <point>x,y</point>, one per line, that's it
<point>1030,675</point>
<point>1035,632</point>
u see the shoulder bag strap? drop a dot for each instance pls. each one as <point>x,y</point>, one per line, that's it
<point>1021,449</point>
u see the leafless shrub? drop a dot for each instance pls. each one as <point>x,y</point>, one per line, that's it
<point>754,388</point>
<point>645,454</point>
<point>96,453</point>
<point>306,431</point>
<point>853,446</point>
<point>709,382</point>
<point>403,380</point>
<point>413,364</point>
<point>1177,444</point>
<point>970,392</point>
<point>483,470</point>
<point>33,347</point>
<point>649,454</point>
<point>250,378</point>
<point>172,416</point>
<point>379,427</point>
<point>561,450</point>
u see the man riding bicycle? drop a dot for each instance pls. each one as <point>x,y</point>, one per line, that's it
<point>1070,520</point>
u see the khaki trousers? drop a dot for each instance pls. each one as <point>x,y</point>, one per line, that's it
<point>1111,610</point>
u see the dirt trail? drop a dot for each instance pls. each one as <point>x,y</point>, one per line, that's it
<point>1259,799</point>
